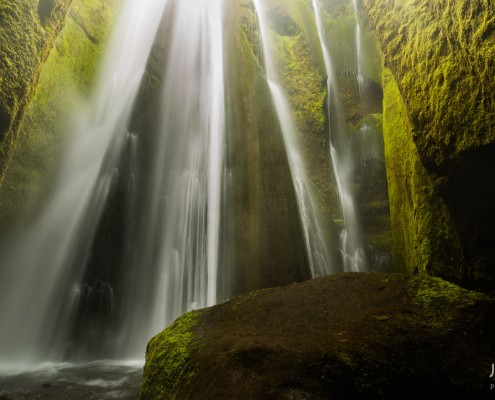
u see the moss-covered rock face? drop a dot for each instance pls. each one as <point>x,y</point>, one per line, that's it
<point>167,371</point>
<point>424,237</point>
<point>28,29</point>
<point>373,336</point>
<point>65,81</point>
<point>65,77</point>
<point>442,57</point>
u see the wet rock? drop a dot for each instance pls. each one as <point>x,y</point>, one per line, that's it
<point>359,336</point>
<point>439,132</point>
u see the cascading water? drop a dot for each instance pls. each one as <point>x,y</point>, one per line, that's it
<point>316,246</point>
<point>41,284</point>
<point>175,191</point>
<point>177,245</point>
<point>352,241</point>
<point>359,55</point>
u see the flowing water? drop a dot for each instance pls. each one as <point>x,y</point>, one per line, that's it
<point>316,246</point>
<point>176,249</point>
<point>95,380</point>
<point>359,51</point>
<point>47,259</point>
<point>175,194</point>
<point>352,245</point>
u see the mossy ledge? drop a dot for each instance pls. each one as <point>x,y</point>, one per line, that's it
<point>351,335</point>
<point>27,33</point>
<point>441,56</point>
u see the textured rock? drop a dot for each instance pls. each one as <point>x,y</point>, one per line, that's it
<point>28,29</point>
<point>442,57</point>
<point>363,336</point>
<point>66,74</point>
<point>424,236</point>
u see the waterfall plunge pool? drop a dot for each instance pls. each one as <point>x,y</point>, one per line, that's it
<point>98,380</point>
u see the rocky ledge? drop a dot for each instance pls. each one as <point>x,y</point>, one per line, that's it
<point>359,336</point>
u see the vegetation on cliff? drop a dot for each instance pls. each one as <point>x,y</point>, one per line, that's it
<point>28,29</point>
<point>64,78</point>
<point>424,239</point>
<point>442,57</point>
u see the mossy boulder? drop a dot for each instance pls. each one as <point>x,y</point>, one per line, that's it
<point>28,29</point>
<point>360,336</point>
<point>442,57</point>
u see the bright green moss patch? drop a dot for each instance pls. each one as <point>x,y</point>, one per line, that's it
<point>168,371</point>
<point>303,82</point>
<point>424,236</point>
<point>66,75</point>
<point>442,55</point>
<point>94,17</point>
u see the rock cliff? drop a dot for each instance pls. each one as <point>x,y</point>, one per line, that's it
<point>440,135</point>
<point>359,336</point>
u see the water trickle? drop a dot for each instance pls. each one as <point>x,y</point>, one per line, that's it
<point>352,245</point>
<point>359,52</point>
<point>316,245</point>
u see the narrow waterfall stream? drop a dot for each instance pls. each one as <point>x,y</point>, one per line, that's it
<point>317,251</point>
<point>352,241</point>
<point>359,50</point>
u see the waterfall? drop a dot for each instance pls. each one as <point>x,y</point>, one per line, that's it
<point>44,262</point>
<point>351,239</point>
<point>359,55</point>
<point>176,247</point>
<point>316,246</point>
<point>175,179</point>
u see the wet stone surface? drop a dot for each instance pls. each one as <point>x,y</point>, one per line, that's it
<point>102,380</point>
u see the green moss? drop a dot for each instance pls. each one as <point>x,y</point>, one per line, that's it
<point>440,301</point>
<point>373,121</point>
<point>442,55</point>
<point>428,292</point>
<point>66,75</point>
<point>167,360</point>
<point>303,82</point>
<point>424,236</point>
<point>26,38</point>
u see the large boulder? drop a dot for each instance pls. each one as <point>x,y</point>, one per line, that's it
<point>345,336</point>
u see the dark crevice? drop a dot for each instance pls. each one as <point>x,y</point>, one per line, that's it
<point>4,122</point>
